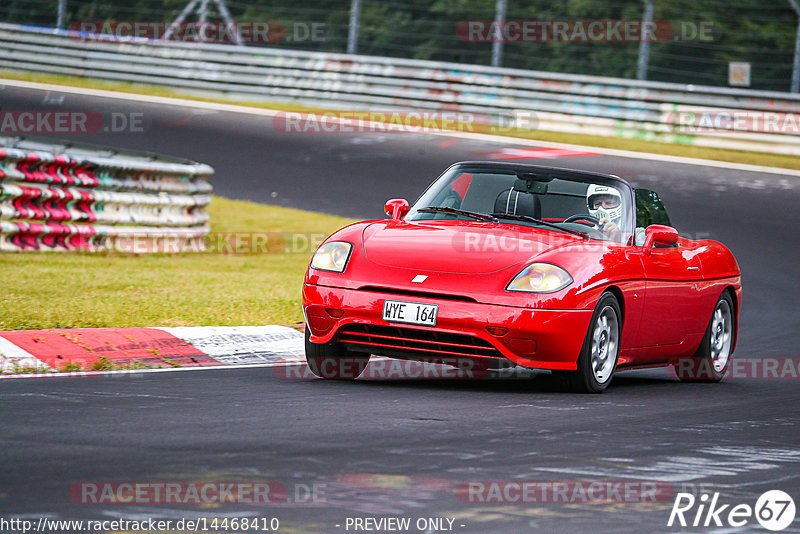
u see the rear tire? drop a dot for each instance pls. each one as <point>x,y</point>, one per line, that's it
<point>333,361</point>
<point>600,351</point>
<point>710,362</point>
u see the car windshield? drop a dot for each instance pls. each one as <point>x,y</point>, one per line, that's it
<point>595,208</point>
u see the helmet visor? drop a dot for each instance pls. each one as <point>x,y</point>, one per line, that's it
<point>605,201</point>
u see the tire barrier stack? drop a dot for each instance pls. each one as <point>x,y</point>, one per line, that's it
<point>72,197</point>
<point>675,113</point>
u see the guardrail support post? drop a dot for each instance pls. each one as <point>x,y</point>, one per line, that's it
<point>203,11</point>
<point>644,44</point>
<point>497,38</point>
<point>796,66</point>
<point>62,12</point>
<point>352,35</point>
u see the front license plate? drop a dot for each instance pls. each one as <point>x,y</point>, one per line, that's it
<point>410,312</point>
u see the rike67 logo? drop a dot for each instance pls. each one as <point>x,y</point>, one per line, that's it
<point>774,510</point>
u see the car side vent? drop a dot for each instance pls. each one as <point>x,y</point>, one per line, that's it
<point>421,294</point>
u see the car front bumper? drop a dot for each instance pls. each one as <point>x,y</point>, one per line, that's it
<point>534,338</point>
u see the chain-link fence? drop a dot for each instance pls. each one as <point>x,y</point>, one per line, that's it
<point>689,41</point>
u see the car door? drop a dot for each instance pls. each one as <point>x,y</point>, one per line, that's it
<point>671,293</point>
<point>672,275</point>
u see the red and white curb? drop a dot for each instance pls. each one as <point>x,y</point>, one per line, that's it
<point>47,352</point>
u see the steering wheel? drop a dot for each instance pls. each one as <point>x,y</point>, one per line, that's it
<point>583,216</point>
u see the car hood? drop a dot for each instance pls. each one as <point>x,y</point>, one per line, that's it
<point>457,247</point>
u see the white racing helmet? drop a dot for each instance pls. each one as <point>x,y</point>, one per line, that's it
<point>612,214</point>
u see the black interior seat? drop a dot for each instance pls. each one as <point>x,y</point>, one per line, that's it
<point>518,203</point>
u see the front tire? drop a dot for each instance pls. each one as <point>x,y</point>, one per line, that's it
<point>333,361</point>
<point>600,351</point>
<point>710,362</point>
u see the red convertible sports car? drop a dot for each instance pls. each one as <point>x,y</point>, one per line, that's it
<point>570,271</point>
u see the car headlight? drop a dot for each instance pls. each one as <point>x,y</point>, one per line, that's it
<point>540,278</point>
<point>332,256</point>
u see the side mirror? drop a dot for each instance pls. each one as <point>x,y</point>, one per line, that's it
<point>658,234</point>
<point>396,208</point>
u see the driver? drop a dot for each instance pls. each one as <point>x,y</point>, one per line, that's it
<point>605,203</point>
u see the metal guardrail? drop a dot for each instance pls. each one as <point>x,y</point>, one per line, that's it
<point>510,98</point>
<point>85,198</point>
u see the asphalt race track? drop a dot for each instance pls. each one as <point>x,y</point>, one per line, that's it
<point>405,448</point>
